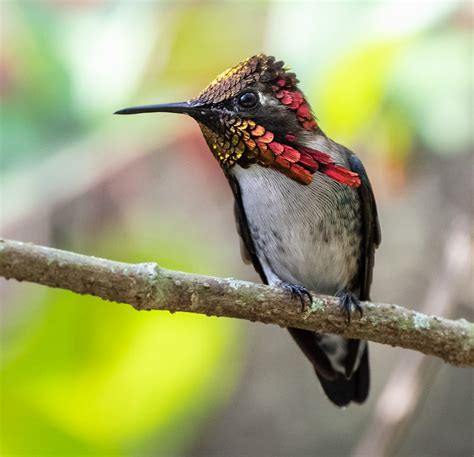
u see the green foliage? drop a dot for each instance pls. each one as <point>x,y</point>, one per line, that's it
<point>399,92</point>
<point>87,377</point>
<point>353,97</point>
<point>81,377</point>
<point>433,86</point>
<point>38,87</point>
<point>197,53</point>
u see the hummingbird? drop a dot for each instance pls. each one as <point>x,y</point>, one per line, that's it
<point>304,206</point>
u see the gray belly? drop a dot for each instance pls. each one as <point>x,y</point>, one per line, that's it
<point>307,235</point>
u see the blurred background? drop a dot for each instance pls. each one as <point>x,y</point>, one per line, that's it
<point>81,377</point>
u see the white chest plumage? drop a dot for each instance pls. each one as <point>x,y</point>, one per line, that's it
<point>306,235</point>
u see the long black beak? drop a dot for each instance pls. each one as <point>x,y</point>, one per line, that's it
<point>181,107</point>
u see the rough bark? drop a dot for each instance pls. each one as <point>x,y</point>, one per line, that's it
<point>147,286</point>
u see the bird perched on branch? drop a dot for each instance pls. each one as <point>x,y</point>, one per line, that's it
<point>304,205</point>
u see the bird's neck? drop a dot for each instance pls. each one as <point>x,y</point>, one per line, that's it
<point>314,139</point>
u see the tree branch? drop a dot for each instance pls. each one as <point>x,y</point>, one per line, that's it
<point>148,286</point>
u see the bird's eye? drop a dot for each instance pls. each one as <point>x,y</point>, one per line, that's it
<point>248,100</point>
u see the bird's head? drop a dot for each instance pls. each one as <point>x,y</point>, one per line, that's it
<point>254,113</point>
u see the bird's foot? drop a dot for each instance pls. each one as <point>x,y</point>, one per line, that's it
<point>348,300</point>
<point>300,292</point>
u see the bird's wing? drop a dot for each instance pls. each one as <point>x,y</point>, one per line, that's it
<point>370,226</point>
<point>247,247</point>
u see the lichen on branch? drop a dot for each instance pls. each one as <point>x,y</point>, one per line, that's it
<point>148,286</point>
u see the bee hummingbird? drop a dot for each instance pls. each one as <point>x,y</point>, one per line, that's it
<point>304,206</point>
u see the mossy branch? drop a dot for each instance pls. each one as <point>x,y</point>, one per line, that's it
<point>147,286</point>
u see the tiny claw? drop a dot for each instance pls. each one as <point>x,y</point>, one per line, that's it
<point>347,301</point>
<point>300,292</point>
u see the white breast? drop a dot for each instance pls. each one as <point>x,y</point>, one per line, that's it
<point>304,235</point>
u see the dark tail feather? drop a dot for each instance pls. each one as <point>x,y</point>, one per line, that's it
<point>340,390</point>
<point>307,342</point>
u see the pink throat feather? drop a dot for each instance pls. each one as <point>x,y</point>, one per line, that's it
<point>297,162</point>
